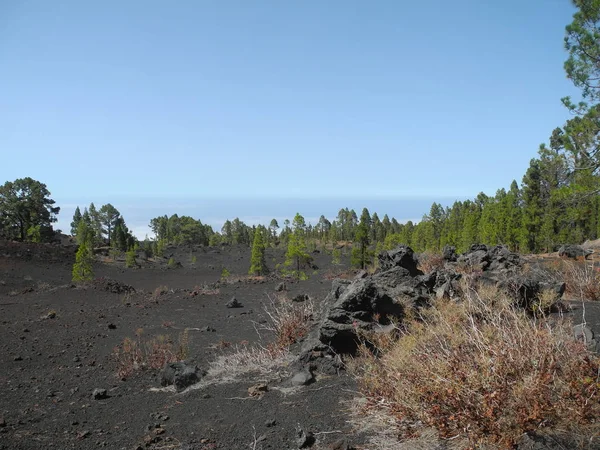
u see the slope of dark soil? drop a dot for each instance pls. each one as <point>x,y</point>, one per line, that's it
<point>57,345</point>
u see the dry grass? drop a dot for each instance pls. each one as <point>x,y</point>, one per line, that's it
<point>204,290</point>
<point>482,372</point>
<point>428,262</point>
<point>267,362</point>
<point>137,354</point>
<point>159,291</point>
<point>582,279</point>
<point>290,321</point>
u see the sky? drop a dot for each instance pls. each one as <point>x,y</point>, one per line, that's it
<point>211,106</point>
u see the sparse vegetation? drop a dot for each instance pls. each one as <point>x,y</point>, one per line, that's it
<point>289,321</point>
<point>130,258</point>
<point>484,372</point>
<point>82,269</point>
<point>137,354</point>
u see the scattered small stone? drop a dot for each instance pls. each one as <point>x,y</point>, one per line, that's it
<point>112,326</point>
<point>281,287</point>
<point>50,315</point>
<point>270,423</point>
<point>83,434</point>
<point>74,423</point>
<point>2,422</point>
<point>304,439</point>
<point>25,330</point>
<point>76,359</point>
<point>99,394</point>
<point>233,303</point>
<point>258,390</point>
<point>18,358</point>
<point>208,329</point>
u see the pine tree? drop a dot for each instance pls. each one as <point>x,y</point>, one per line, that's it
<point>76,219</point>
<point>82,269</point>
<point>360,254</point>
<point>258,265</point>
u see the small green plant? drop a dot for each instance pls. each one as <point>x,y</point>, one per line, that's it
<point>225,273</point>
<point>130,258</point>
<point>336,257</point>
<point>193,259</point>
<point>82,269</point>
<point>171,264</point>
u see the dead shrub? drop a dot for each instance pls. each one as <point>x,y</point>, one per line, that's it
<point>204,290</point>
<point>137,354</point>
<point>582,279</point>
<point>290,321</point>
<point>483,371</point>
<point>428,262</point>
<point>159,291</point>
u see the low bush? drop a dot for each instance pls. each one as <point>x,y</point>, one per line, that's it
<point>290,321</point>
<point>483,372</point>
<point>428,262</point>
<point>138,354</point>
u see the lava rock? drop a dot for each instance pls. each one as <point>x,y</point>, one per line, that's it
<point>99,394</point>
<point>402,256</point>
<point>234,303</point>
<point>304,439</point>
<point>574,251</point>
<point>180,374</point>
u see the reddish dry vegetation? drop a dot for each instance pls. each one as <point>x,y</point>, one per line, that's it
<point>139,354</point>
<point>481,372</point>
<point>290,321</point>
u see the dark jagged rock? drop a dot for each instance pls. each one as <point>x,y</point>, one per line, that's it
<point>574,251</point>
<point>449,253</point>
<point>180,374</point>
<point>233,303</point>
<point>402,256</point>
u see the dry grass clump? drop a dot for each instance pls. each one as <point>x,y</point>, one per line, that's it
<point>290,321</point>
<point>582,279</point>
<point>137,354</point>
<point>204,290</point>
<point>428,262</point>
<point>482,371</point>
<point>159,291</point>
<point>263,361</point>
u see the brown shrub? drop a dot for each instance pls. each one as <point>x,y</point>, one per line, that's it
<point>159,291</point>
<point>135,354</point>
<point>483,371</point>
<point>290,321</point>
<point>428,262</point>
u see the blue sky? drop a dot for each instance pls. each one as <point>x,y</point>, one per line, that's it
<point>156,101</point>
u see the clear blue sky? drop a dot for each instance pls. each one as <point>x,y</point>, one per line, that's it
<point>254,99</point>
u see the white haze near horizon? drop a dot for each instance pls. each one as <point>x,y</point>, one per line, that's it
<point>252,211</point>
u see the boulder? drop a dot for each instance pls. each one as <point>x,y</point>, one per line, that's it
<point>574,251</point>
<point>180,374</point>
<point>233,303</point>
<point>402,256</point>
<point>449,253</point>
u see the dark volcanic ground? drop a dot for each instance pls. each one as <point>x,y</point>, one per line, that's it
<point>50,365</point>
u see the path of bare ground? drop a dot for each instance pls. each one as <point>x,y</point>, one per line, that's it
<point>57,343</point>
